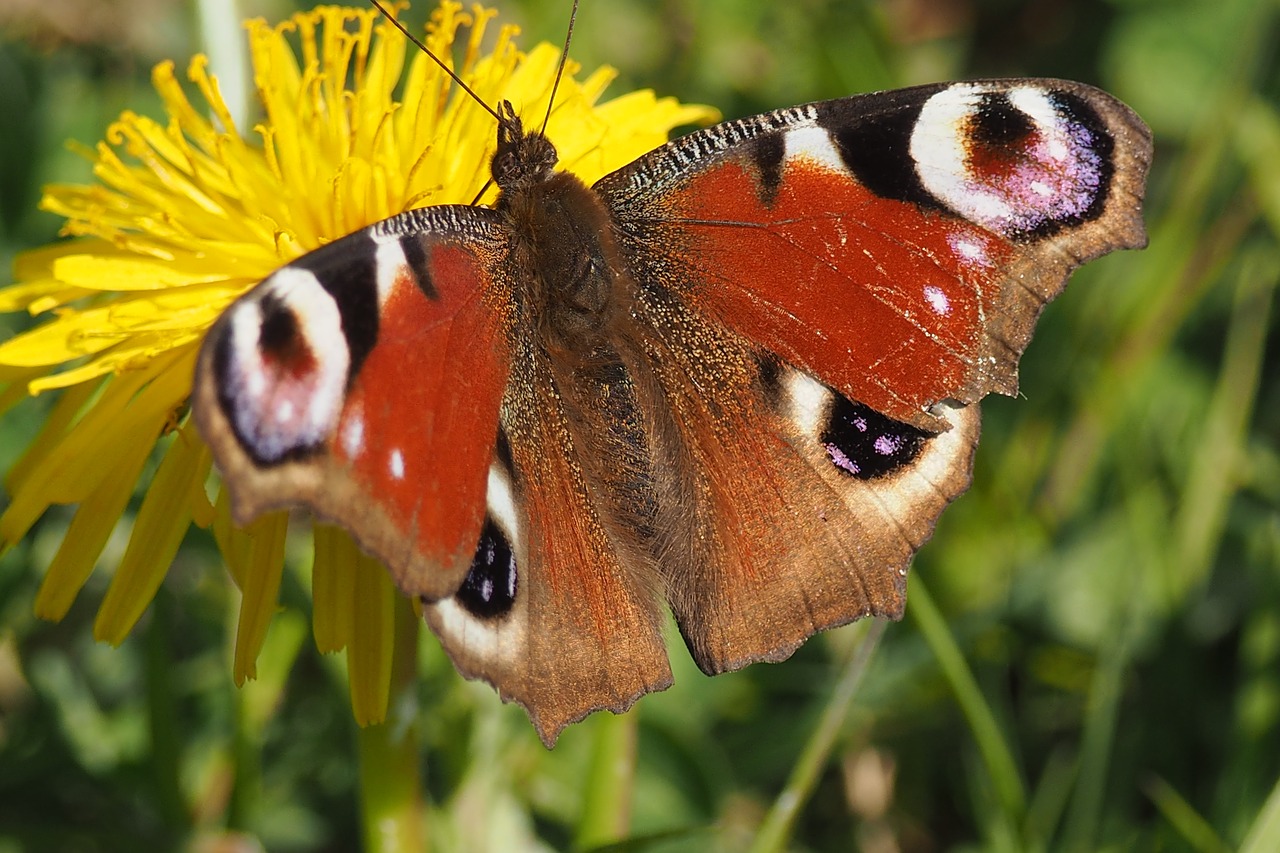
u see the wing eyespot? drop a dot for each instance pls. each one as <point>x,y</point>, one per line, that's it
<point>862,443</point>
<point>490,587</point>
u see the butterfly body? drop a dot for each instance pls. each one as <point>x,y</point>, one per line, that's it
<point>734,376</point>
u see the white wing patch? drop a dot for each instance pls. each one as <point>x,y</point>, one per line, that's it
<point>969,249</point>
<point>809,401</point>
<point>502,506</point>
<point>353,431</point>
<point>1047,170</point>
<point>390,262</point>
<point>937,300</point>
<point>814,145</point>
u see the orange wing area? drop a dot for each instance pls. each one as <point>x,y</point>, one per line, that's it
<point>869,294</point>
<point>426,404</point>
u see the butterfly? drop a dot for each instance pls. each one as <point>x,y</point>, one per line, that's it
<point>735,378</point>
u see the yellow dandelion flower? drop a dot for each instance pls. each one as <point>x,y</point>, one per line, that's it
<point>188,213</point>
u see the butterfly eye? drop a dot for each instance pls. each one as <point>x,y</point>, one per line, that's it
<point>865,444</point>
<point>489,590</point>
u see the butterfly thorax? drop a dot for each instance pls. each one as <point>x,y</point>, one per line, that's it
<point>562,242</point>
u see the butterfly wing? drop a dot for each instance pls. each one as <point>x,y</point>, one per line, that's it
<point>364,380</point>
<point>823,289</point>
<point>395,382</point>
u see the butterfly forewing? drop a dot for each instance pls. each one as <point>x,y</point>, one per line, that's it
<point>364,380</point>
<point>897,245</point>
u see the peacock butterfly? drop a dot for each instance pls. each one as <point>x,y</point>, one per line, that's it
<point>736,376</point>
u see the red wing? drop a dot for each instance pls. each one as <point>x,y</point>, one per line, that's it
<point>364,380</point>
<point>813,285</point>
<point>899,246</point>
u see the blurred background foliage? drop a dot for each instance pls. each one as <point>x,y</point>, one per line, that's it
<point>1091,654</point>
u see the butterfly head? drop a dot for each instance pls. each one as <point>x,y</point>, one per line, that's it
<point>522,159</point>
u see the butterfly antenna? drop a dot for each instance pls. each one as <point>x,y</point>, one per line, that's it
<point>564,57</point>
<point>438,61</point>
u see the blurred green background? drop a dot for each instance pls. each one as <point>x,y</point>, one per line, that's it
<point>1111,583</point>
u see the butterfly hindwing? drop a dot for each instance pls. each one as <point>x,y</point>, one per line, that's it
<point>785,509</point>
<point>577,621</point>
<point>364,380</point>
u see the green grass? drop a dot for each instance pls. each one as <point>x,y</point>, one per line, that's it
<point>1091,655</point>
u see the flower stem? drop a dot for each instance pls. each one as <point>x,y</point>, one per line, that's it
<point>777,825</point>
<point>391,807</point>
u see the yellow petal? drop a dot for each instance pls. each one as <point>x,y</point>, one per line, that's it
<point>62,464</point>
<point>13,385</point>
<point>233,542</point>
<point>73,335</point>
<point>128,411</point>
<point>88,533</point>
<point>95,272</point>
<point>37,295</point>
<point>38,262</point>
<point>333,582</point>
<point>202,509</point>
<point>260,592</point>
<point>55,428</point>
<point>132,357</point>
<point>372,641</point>
<point>162,521</point>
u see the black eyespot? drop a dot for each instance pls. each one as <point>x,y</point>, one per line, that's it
<point>489,589</point>
<point>997,123</point>
<point>348,270</point>
<point>279,332</point>
<point>865,444</point>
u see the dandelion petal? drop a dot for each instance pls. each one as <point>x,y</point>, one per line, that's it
<point>162,522</point>
<point>333,587</point>
<point>369,653</point>
<point>260,591</point>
